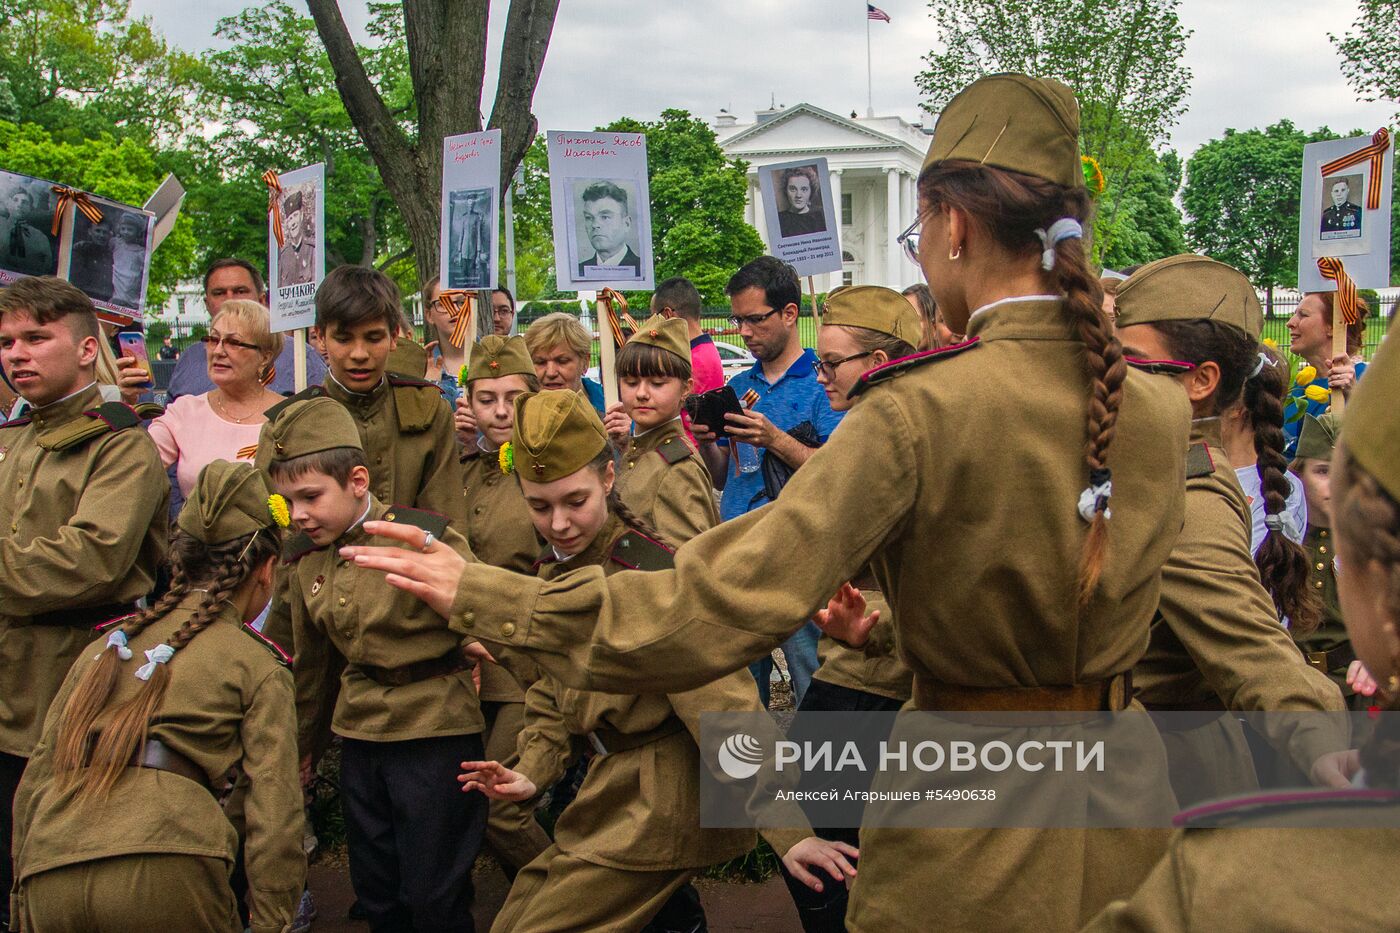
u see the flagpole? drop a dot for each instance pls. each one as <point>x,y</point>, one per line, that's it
<point>869,93</point>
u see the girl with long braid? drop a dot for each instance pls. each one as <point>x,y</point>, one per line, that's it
<point>116,826</point>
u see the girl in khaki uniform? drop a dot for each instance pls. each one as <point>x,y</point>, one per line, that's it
<point>632,837</point>
<point>1216,641</point>
<point>118,829</point>
<point>501,534</point>
<point>661,477</point>
<point>1221,873</point>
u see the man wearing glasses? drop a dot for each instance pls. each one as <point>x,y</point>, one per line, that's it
<point>224,280</point>
<point>763,299</point>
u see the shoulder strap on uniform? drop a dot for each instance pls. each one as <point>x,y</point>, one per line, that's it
<point>905,363</point>
<point>674,450</point>
<point>16,423</point>
<point>416,401</point>
<point>296,547</point>
<point>1159,367</point>
<point>1199,462</point>
<point>148,410</point>
<point>431,522</point>
<point>307,393</point>
<point>636,551</point>
<point>107,418</point>
<point>274,649</point>
<point>1254,806</point>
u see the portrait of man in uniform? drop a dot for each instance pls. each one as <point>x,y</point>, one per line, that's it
<point>1341,216</point>
<point>799,197</point>
<point>90,265</point>
<point>296,261</point>
<point>26,248</point>
<point>606,220</point>
<point>470,222</point>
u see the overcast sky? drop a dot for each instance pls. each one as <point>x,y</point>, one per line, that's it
<point>1253,61</point>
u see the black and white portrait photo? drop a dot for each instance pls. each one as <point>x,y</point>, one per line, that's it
<point>296,261</point>
<point>27,246</point>
<point>109,259</point>
<point>1341,207</point>
<point>799,198</point>
<point>471,229</point>
<point>605,215</point>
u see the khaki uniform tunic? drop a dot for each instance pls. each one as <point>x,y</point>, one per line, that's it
<point>982,445</point>
<point>501,534</point>
<point>228,704</point>
<point>873,668</point>
<point>1217,643</point>
<point>342,613</point>
<point>1331,635</point>
<point>639,808</point>
<point>666,484</point>
<point>80,527</point>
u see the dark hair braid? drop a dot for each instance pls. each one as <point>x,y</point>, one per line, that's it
<point>631,520</point>
<point>1282,562</point>
<point>99,763</point>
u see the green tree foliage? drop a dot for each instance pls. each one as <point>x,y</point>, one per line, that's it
<point>697,202</point>
<point>125,170</point>
<point>1370,51</point>
<point>1123,58</point>
<point>534,232</point>
<point>1150,225</point>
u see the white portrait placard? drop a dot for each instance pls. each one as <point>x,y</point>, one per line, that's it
<point>110,260</point>
<point>601,210</point>
<point>296,268</point>
<point>803,225</point>
<point>1344,216</point>
<point>468,256</point>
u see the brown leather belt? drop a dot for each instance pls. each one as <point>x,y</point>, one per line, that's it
<point>86,617</point>
<point>161,757</point>
<point>1112,695</point>
<point>450,663</point>
<point>609,741</point>
<point>1339,658</point>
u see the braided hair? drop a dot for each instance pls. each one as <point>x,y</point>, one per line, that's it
<point>615,504</point>
<point>1368,519</point>
<point>1282,562</point>
<point>96,763</point>
<point>1012,207</point>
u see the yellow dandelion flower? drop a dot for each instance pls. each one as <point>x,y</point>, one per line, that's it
<point>1306,374</point>
<point>277,507</point>
<point>1271,343</point>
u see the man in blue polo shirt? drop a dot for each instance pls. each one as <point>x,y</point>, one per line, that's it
<point>763,301</point>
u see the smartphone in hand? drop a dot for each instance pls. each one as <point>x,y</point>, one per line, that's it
<point>133,344</point>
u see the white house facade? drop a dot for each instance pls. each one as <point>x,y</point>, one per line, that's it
<point>874,164</point>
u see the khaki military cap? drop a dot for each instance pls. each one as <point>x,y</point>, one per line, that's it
<point>1372,430</point>
<point>556,434</point>
<point>309,427</point>
<point>228,501</point>
<point>494,356</point>
<point>873,307</point>
<point>1012,121</point>
<point>666,333</point>
<point>1190,288</point>
<point>1318,436</point>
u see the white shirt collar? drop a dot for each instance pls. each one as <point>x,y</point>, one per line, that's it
<point>1003,301</point>
<point>32,407</point>
<point>614,259</point>
<point>657,428</point>
<point>352,391</point>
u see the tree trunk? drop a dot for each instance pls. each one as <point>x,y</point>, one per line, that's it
<point>447,63</point>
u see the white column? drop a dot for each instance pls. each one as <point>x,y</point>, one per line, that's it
<point>834,210</point>
<point>910,201</point>
<point>892,227</point>
<point>750,202</point>
<point>759,218</point>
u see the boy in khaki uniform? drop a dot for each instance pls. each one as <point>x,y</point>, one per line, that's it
<point>406,707</point>
<point>83,506</point>
<point>501,534</point>
<point>1216,643</point>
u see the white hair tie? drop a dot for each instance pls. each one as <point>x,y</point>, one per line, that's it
<point>1094,498</point>
<point>1066,228</point>
<point>1259,366</point>
<point>160,654</point>
<point>117,639</point>
<point>1283,523</point>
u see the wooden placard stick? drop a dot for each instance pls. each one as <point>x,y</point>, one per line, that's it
<point>299,359</point>
<point>612,307</point>
<point>1337,399</point>
<point>812,290</point>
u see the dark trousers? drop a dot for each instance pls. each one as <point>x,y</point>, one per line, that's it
<point>825,912</point>
<point>11,767</point>
<point>412,834</point>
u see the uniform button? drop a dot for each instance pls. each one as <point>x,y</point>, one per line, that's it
<point>468,619</point>
<point>1322,549</point>
<point>1321,566</point>
<point>477,510</point>
<point>388,516</point>
<point>341,600</point>
<point>1318,584</point>
<point>631,464</point>
<point>1322,533</point>
<point>378,460</point>
<point>21,483</point>
<point>508,629</point>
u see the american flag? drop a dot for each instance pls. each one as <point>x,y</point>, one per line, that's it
<point>874,12</point>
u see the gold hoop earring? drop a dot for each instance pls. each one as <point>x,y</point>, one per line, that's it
<point>954,254</point>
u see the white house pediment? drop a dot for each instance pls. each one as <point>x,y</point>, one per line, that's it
<point>804,128</point>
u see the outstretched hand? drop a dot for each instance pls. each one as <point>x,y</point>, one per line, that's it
<point>815,853</point>
<point>496,781</point>
<point>844,617</point>
<point>432,573</point>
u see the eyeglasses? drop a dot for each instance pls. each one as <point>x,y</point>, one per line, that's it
<point>213,343</point>
<point>827,368</point>
<point>753,320</point>
<point>909,239</point>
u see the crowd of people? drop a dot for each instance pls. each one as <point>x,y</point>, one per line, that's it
<point>1026,486</point>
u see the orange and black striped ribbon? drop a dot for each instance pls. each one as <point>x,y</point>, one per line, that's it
<point>274,203</point>
<point>246,453</point>
<point>1331,268</point>
<point>615,307</point>
<point>461,316</point>
<point>270,375</point>
<point>1375,154</point>
<point>66,196</point>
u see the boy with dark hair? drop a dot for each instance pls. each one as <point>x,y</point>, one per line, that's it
<point>678,297</point>
<point>83,501</point>
<point>404,425</point>
<point>404,703</point>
